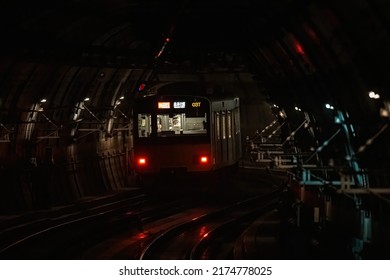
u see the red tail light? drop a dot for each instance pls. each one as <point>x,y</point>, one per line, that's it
<point>204,159</point>
<point>142,161</point>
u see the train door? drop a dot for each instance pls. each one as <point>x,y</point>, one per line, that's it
<point>217,138</point>
<point>237,132</point>
<point>229,133</point>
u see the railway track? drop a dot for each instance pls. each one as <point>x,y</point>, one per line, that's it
<point>223,241</point>
<point>142,226</point>
<point>66,236</point>
<point>246,190</point>
<point>203,236</point>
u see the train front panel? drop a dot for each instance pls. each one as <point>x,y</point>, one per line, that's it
<point>172,134</point>
<point>173,158</point>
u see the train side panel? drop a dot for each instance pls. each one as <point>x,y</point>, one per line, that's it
<point>226,134</point>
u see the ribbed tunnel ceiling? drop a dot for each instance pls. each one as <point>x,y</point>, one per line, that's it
<point>299,53</point>
<point>303,50</point>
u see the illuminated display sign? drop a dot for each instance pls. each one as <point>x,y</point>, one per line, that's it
<point>179,105</point>
<point>164,105</point>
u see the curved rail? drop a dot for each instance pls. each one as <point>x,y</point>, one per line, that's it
<point>234,226</point>
<point>246,205</point>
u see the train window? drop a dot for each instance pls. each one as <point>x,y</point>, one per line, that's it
<point>217,125</point>
<point>144,125</point>
<point>223,126</point>
<point>229,124</point>
<point>181,124</point>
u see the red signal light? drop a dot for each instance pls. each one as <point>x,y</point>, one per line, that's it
<point>204,159</point>
<point>299,48</point>
<point>141,87</point>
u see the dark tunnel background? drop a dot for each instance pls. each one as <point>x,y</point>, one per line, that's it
<point>70,70</point>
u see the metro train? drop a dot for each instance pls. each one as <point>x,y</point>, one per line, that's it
<point>185,130</point>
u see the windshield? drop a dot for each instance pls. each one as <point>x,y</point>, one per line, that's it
<point>170,125</point>
<point>180,124</point>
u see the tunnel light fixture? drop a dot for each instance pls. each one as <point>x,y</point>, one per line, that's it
<point>122,97</point>
<point>43,100</point>
<point>86,99</point>
<point>328,106</point>
<point>297,108</point>
<point>384,113</point>
<point>373,95</point>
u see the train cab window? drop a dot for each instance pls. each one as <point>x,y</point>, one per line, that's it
<point>180,124</point>
<point>217,125</point>
<point>223,126</point>
<point>144,125</point>
<point>229,124</point>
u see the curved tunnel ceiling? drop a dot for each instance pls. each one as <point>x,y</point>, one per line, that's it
<point>300,53</point>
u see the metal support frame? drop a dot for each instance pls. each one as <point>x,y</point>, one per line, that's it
<point>127,126</point>
<point>52,135</point>
<point>291,136</point>
<point>272,133</point>
<point>123,128</point>
<point>360,179</point>
<point>92,114</point>
<point>87,130</point>
<point>346,184</point>
<point>364,191</point>
<point>5,138</point>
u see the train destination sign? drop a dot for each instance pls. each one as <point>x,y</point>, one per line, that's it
<point>164,105</point>
<point>179,105</point>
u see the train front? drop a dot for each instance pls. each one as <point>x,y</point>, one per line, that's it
<point>172,136</point>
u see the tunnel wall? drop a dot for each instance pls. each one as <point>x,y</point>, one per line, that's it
<point>65,148</point>
<point>83,173</point>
